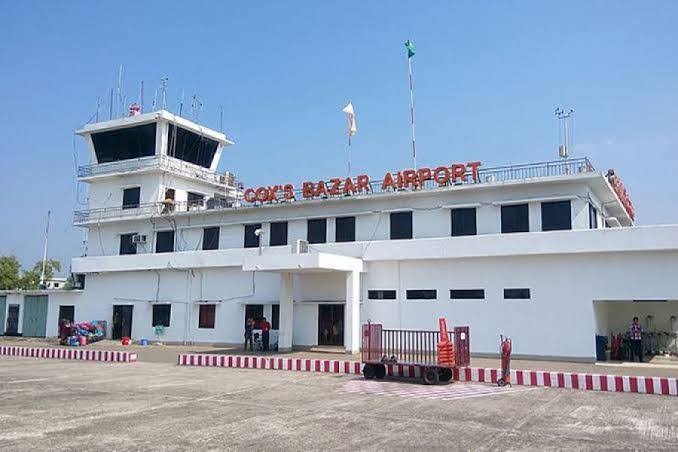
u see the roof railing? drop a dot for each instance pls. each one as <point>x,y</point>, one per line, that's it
<point>164,162</point>
<point>492,175</point>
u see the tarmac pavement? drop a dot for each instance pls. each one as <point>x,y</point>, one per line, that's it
<point>68,405</point>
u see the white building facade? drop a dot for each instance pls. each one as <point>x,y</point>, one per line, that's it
<point>546,253</point>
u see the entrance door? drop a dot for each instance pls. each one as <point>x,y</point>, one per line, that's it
<point>331,324</point>
<point>35,316</point>
<point>122,321</point>
<point>66,312</point>
<point>12,320</point>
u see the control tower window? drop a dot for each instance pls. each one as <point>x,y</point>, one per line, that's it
<point>130,197</point>
<point>124,144</point>
<point>190,146</point>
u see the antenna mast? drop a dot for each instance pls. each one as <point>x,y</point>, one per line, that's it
<point>120,99</point>
<point>44,253</point>
<point>565,137</point>
<point>163,84</point>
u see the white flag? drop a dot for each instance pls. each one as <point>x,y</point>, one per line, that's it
<point>348,109</point>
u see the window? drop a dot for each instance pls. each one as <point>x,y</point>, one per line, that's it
<point>278,233</point>
<point>464,221</point>
<point>401,225</point>
<point>206,316</point>
<point>195,200</point>
<point>517,294</point>
<point>381,294</point>
<point>126,245</point>
<point>515,218</point>
<point>422,294</point>
<point>161,314</point>
<point>210,238</point>
<point>251,239</point>
<point>130,197</point>
<point>124,144</point>
<point>316,230</point>
<point>164,242</point>
<point>254,312</point>
<point>556,216</point>
<point>275,317</point>
<point>345,229</point>
<point>467,294</point>
<point>190,146</point>
<point>593,217</point>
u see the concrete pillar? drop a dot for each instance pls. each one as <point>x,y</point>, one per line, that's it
<point>352,313</point>
<point>286,312</point>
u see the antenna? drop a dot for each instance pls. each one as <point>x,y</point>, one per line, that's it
<point>110,106</point>
<point>221,118</point>
<point>196,106</point>
<point>181,102</point>
<point>97,113</point>
<point>44,253</point>
<point>141,97</point>
<point>120,99</point>
<point>163,84</point>
<point>565,121</point>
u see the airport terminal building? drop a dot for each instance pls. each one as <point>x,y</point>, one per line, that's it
<point>546,253</point>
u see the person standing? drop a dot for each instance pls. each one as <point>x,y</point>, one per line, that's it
<point>265,329</point>
<point>636,337</point>
<point>249,326</point>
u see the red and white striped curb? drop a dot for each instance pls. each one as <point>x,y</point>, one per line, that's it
<point>583,381</point>
<point>69,353</point>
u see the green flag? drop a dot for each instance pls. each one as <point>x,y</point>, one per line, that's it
<point>410,48</point>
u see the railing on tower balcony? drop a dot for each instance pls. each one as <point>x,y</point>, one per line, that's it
<point>163,162</point>
<point>486,176</point>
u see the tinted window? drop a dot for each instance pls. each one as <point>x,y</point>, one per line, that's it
<point>126,245</point>
<point>161,314</point>
<point>206,316</point>
<point>401,225</point>
<point>517,294</point>
<point>275,317</point>
<point>515,218</point>
<point>381,294</point>
<point>251,239</point>
<point>317,230</point>
<point>345,229</point>
<point>210,238</point>
<point>195,199</point>
<point>593,217</point>
<point>278,233</point>
<point>467,294</point>
<point>124,144</point>
<point>422,294</point>
<point>164,242</point>
<point>190,146</point>
<point>464,221</point>
<point>130,197</point>
<point>556,216</point>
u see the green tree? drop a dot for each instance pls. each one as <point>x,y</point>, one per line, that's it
<point>9,273</point>
<point>30,279</point>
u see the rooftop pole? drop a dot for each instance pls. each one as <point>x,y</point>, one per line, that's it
<point>410,53</point>
<point>44,253</point>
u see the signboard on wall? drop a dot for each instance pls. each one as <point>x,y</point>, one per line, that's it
<point>440,176</point>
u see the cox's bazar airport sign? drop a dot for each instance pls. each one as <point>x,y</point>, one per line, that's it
<point>441,175</point>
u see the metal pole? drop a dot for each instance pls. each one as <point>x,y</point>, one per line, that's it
<point>349,153</point>
<point>141,100</point>
<point>110,106</point>
<point>414,146</point>
<point>44,253</point>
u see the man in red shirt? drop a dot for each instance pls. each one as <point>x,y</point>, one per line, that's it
<point>265,328</point>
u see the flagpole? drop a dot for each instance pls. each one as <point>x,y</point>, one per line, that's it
<point>414,146</point>
<point>349,153</point>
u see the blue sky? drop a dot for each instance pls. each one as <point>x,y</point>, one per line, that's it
<point>488,77</point>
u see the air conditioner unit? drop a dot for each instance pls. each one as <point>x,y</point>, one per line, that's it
<point>138,238</point>
<point>301,247</point>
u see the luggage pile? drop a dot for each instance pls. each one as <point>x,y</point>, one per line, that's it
<point>83,333</point>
